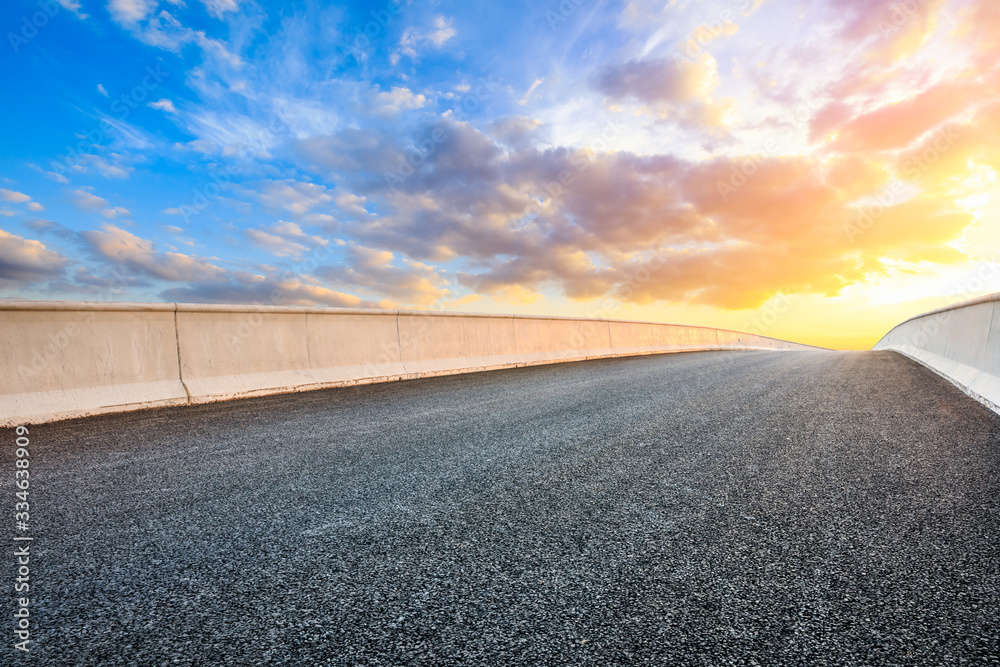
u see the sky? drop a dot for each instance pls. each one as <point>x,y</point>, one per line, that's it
<point>814,170</point>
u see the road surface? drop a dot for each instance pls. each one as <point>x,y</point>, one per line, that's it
<point>705,508</point>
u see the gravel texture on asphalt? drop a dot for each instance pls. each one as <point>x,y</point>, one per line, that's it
<point>711,508</point>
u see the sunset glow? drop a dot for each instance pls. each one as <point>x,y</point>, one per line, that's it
<point>815,171</point>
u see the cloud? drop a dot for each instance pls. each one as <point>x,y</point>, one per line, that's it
<point>512,206</point>
<point>292,230</point>
<point>397,100</point>
<point>437,34</point>
<point>73,6</point>
<point>657,80</point>
<point>161,29</point>
<point>82,163</point>
<point>829,117</point>
<point>203,281</point>
<point>51,227</point>
<point>245,287</point>
<point>531,89</point>
<point>88,201</point>
<point>890,29</point>
<point>13,197</point>
<point>219,8</point>
<point>941,161</point>
<point>295,197</point>
<point>131,12</point>
<point>373,270</point>
<point>276,245</point>
<point>515,131</point>
<point>25,261</point>
<point>638,15</point>
<point>350,203</point>
<point>980,25</point>
<point>164,105</point>
<point>441,31</point>
<point>108,169</point>
<point>677,90</point>
<point>115,211</point>
<point>102,90</point>
<point>897,124</point>
<point>284,239</point>
<point>519,279</point>
<point>727,232</point>
<point>140,256</point>
<point>352,150</point>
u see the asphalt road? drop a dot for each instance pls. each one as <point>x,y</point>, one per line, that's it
<point>711,508</point>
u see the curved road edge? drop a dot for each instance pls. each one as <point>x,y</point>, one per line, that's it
<point>960,343</point>
<point>64,359</point>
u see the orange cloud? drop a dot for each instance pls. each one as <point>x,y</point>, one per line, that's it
<point>893,29</point>
<point>951,152</point>
<point>855,175</point>
<point>898,124</point>
<point>728,232</point>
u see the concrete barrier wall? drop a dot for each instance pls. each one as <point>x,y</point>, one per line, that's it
<point>235,352</point>
<point>61,361</point>
<point>431,344</point>
<point>69,359</point>
<point>961,343</point>
<point>546,340</point>
<point>672,338</point>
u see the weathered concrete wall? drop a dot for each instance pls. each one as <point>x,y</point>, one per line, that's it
<point>961,343</point>
<point>63,360</point>
<point>234,352</point>
<point>435,344</point>
<point>68,359</point>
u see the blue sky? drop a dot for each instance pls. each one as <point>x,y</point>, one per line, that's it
<point>568,158</point>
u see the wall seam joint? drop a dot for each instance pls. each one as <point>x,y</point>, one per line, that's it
<point>513,332</point>
<point>180,373</point>
<point>399,345</point>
